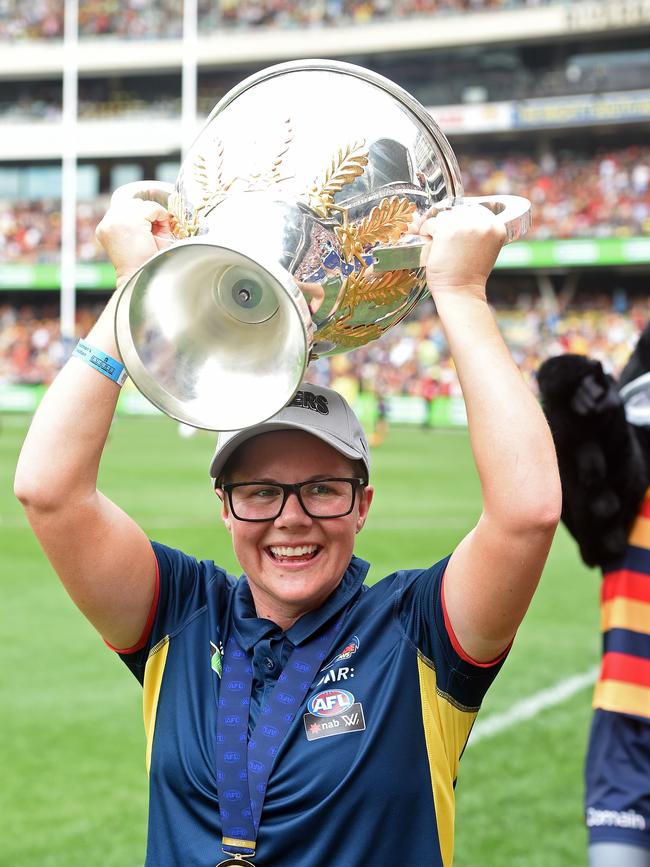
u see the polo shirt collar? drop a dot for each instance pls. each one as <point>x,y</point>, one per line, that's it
<point>249,628</point>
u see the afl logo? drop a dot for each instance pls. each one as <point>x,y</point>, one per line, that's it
<point>330,702</point>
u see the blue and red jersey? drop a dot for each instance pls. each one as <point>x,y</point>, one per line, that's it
<point>624,681</point>
<point>366,773</point>
<point>617,768</point>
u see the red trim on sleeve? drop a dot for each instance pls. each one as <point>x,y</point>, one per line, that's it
<point>626,583</point>
<point>644,511</point>
<point>150,618</point>
<point>455,643</point>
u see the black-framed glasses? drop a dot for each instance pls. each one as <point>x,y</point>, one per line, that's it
<point>319,498</point>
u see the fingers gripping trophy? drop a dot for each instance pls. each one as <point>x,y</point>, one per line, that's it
<point>294,216</point>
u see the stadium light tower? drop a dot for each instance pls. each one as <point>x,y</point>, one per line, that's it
<point>69,172</point>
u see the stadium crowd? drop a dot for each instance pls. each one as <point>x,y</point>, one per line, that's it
<point>412,359</point>
<point>573,195</point>
<point>142,19</point>
<point>30,232</point>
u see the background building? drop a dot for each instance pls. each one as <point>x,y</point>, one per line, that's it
<point>550,100</point>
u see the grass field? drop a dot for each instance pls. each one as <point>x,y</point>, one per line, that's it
<point>73,783</point>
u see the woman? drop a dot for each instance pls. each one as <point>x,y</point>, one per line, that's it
<point>295,716</point>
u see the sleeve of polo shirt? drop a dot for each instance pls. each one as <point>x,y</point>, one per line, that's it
<point>423,617</point>
<point>182,584</point>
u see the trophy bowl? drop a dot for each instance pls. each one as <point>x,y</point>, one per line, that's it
<point>301,187</point>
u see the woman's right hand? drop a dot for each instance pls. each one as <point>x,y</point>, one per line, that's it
<point>466,240</point>
<point>131,231</point>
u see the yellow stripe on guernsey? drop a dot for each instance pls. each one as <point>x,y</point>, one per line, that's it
<point>153,675</point>
<point>640,534</point>
<point>619,697</point>
<point>623,613</point>
<point>446,728</point>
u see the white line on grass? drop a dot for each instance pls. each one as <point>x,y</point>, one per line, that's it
<point>531,706</point>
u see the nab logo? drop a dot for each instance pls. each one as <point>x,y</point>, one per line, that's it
<point>309,400</point>
<point>330,702</point>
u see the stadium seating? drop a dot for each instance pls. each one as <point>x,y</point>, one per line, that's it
<point>138,20</point>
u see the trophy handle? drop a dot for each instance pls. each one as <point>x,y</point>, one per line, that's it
<point>513,211</point>
<point>150,191</point>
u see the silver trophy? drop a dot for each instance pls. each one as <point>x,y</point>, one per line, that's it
<point>300,188</point>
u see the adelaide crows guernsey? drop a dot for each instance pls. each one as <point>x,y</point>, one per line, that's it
<point>366,772</point>
<point>624,682</point>
<point>617,768</point>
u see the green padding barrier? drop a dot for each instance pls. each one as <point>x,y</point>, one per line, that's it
<point>20,398</point>
<point>568,253</point>
<point>25,398</point>
<point>365,406</point>
<point>17,275</point>
<point>441,412</point>
<point>448,412</point>
<point>131,402</point>
<point>575,252</point>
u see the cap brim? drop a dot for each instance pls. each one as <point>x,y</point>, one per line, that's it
<point>219,460</point>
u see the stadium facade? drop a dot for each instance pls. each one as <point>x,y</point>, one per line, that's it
<point>519,84</point>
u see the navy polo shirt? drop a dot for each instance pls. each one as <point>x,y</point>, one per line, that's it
<point>366,773</point>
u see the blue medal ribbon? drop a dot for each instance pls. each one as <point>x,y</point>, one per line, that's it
<point>244,766</point>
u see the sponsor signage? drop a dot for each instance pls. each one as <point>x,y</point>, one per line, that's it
<point>606,14</point>
<point>350,721</point>
<point>548,253</point>
<point>587,109</point>
<point>330,702</point>
<point>402,410</point>
<point>482,117</point>
<point>333,712</point>
<point>19,275</point>
<point>21,397</point>
<point>575,252</point>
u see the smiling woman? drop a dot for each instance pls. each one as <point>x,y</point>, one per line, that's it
<point>256,752</point>
<point>294,559</point>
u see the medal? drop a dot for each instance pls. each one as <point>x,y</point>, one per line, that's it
<point>237,755</point>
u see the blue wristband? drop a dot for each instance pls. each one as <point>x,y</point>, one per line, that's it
<point>101,361</point>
